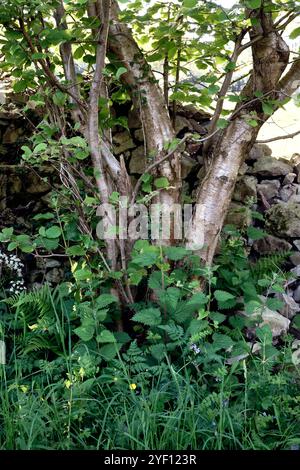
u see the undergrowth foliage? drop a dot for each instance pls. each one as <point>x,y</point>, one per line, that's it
<point>180,374</point>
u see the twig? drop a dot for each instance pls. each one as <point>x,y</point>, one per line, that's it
<point>166,157</point>
<point>280,137</point>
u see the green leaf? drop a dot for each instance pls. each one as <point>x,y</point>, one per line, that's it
<point>148,257</point>
<point>223,296</point>
<point>85,331</point>
<point>169,299</point>
<point>59,98</point>
<point>222,123</point>
<point>75,250</point>
<point>40,148</point>
<point>45,216</point>
<point>158,351</point>
<point>222,341</point>
<point>109,351</point>
<point>120,72</point>
<point>176,253</point>
<point>53,232</point>
<point>252,122</point>
<point>254,4</point>
<point>106,337</point>
<point>189,3</point>
<point>83,274</point>
<point>274,304</point>
<point>256,233</point>
<point>294,34</point>
<point>264,334</point>
<point>20,86</point>
<point>148,316</point>
<point>12,246</point>
<point>6,234</point>
<point>105,299</point>
<point>268,109</point>
<point>161,183</point>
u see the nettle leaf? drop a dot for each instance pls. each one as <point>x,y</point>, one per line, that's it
<point>222,341</point>
<point>158,351</point>
<point>146,258</point>
<point>155,280</point>
<point>105,299</point>
<point>274,304</point>
<point>223,296</point>
<point>169,299</point>
<point>85,331</point>
<point>176,253</point>
<point>264,334</point>
<point>186,309</point>
<point>75,250</point>
<point>148,316</point>
<point>105,336</point>
<point>109,351</point>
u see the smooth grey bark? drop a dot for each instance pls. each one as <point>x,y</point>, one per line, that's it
<point>270,59</point>
<point>148,98</point>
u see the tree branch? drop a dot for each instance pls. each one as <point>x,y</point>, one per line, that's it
<point>280,137</point>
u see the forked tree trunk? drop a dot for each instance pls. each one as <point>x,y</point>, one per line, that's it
<point>270,58</point>
<point>149,100</point>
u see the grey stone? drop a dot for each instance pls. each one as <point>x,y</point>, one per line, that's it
<point>134,120</point>
<point>238,215</point>
<point>287,192</point>
<point>295,258</point>
<point>259,151</point>
<point>182,123</point>
<point>290,178</point>
<point>296,294</point>
<point>139,135</point>
<point>187,164</point>
<point>270,167</point>
<point>14,184</point>
<point>269,188</point>
<point>55,276</point>
<point>295,160</point>
<point>122,141</point>
<point>283,219</point>
<point>245,188</point>
<point>52,263</point>
<point>243,169</point>
<point>290,306</point>
<point>297,244</point>
<point>271,244</point>
<point>278,323</point>
<point>35,184</point>
<point>137,162</point>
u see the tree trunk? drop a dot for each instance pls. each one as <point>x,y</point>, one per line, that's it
<point>148,99</point>
<point>270,58</point>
